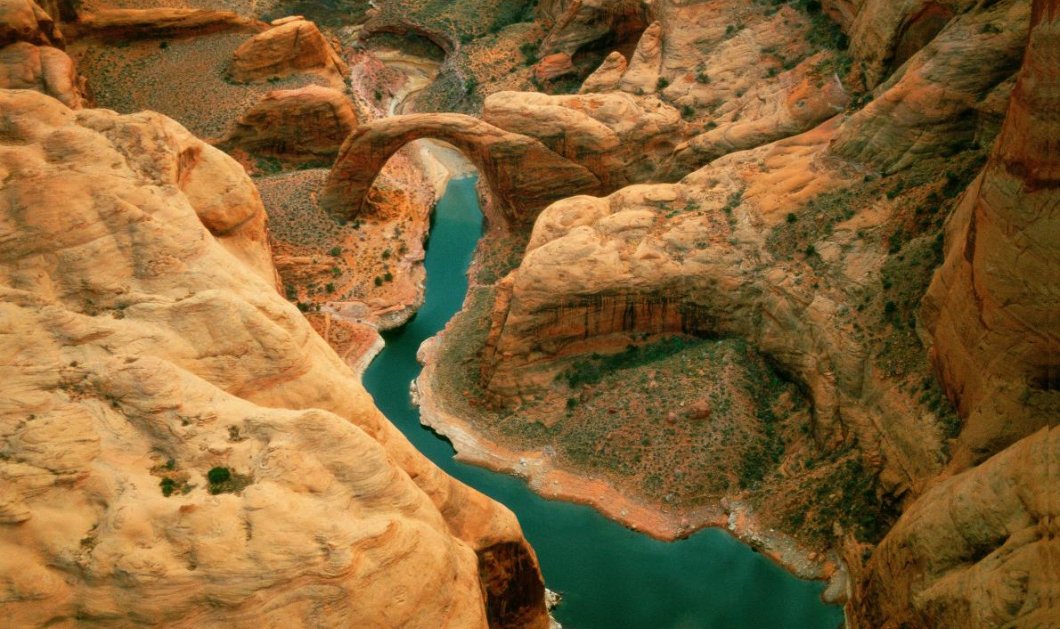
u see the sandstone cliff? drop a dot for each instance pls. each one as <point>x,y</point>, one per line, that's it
<point>992,308</point>
<point>144,344</point>
<point>808,222</point>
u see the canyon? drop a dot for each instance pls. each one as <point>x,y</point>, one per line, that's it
<point>783,268</point>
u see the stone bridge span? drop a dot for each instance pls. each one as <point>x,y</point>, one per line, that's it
<point>523,174</point>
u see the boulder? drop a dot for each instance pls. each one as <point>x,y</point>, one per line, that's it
<point>305,124</point>
<point>48,70</point>
<point>290,46</point>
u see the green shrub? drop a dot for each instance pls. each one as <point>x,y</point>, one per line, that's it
<point>168,486</point>
<point>218,475</point>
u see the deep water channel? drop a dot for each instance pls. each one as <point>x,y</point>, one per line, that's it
<point>610,576</point>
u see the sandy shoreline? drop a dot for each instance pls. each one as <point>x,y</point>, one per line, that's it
<point>546,478</point>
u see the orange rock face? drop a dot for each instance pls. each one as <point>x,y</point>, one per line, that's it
<point>25,20</point>
<point>308,123</point>
<point>48,70</point>
<point>160,22</point>
<point>577,24</point>
<point>991,310</point>
<point>978,550</point>
<point>553,66</point>
<point>291,45</point>
<point>142,343</point>
<point>523,173</point>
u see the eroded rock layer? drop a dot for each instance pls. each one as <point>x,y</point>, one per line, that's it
<point>143,344</point>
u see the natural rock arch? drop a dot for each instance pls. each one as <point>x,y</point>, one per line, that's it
<point>523,174</point>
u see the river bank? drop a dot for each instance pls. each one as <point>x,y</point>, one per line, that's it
<point>610,576</point>
<point>552,481</point>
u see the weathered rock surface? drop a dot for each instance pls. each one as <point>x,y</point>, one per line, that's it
<point>979,550</point>
<point>619,137</point>
<point>976,546</point>
<point>799,101</point>
<point>291,45</point>
<point>553,66</point>
<point>606,78</point>
<point>577,24</point>
<point>992,309</point>
<point>31,55</point>
<point>305,124</point>
<point>930,105</point>
<point>135,348</point>
<point>523,173</point>
<point>663,259</point>
<point>160,22</point>
<point>25,20</point>
<point>48,70</point>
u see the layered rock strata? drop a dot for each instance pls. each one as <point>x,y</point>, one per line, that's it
<point>992,309</point>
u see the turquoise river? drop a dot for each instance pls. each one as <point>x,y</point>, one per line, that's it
<point>610,577</point>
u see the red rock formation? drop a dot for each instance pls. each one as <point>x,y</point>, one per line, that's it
<point>45,69</point>
<point>553,66</point>
<point>992,309</point>
<point>930,106</point>
<point>619,137</point>
<point>24,20</point>
<point>979,550</point>
<point>159,22</point>
<point>577,24</point>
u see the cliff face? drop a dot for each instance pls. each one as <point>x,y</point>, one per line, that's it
<point>977,550</point>
<point>992,309</point>
<point>143,344</point>
<point>849,231</point>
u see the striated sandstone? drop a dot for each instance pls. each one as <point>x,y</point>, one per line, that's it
<point>291,45</point>
<point>574,25</point>
<point>306,124</point>
<point>619,137</point>
<point>799,101</point>
<point>137,347</point>
<point>606,78</point>
<point>992,309</point>
<point>553,66</point>
<point>642,75</point>
<point>930,106</point>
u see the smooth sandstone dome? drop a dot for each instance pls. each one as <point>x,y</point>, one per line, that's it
<point>142,339</point>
